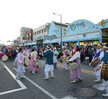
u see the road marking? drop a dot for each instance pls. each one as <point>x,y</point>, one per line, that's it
<point>83,70</point>
<point>18,81</point>
<point>43,90</point>
<point>68,97</point>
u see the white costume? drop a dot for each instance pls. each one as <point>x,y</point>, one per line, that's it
<point>97,73</point>
<point>26,53</point>
<point>20,65</point>
<point>55,56</point>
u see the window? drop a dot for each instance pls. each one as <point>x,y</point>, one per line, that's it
<point>45,30</point>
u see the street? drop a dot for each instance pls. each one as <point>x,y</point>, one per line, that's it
<point>35,87</point>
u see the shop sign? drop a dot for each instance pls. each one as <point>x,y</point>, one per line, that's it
<point>74,26</point>
<point>50,37</point>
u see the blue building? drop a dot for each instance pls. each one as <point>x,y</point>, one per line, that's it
<point>54,33</point>
<point>79,31</point>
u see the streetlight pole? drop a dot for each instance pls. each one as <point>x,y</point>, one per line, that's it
<point>60,27</point>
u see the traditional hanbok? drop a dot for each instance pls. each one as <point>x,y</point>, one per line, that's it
<point>64,53</point>
<point>1,55</point>
<point>75,75</point>
<point>55,58</point>
<point>49,64</point>
<point>105,60</point>
<point>20,66</point>
<point>33,62</point>
<point>100,54</point>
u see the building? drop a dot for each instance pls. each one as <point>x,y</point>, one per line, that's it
<point>81,32</point>
<point>54,33</point>
<point>26,36</point>
<point>39,33</point>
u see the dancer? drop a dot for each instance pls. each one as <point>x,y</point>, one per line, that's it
<point>49,63</point>
<point>75,75</point>
<point>20,65</point>
<point>105,70</point>
<point>33,62</point>
<point>99,54</point>
<point>64,54</point>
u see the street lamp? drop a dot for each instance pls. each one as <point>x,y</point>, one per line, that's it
<point>60,27</point>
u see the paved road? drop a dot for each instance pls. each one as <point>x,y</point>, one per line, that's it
<point>34,87</point>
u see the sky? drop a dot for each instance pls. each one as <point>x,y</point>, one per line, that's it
<point>15,14</point>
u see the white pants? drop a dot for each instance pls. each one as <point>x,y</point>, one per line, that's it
<point>106,85</point>
<point>98,73</point>
<point>65,65</point>
<point>20,71</point>
<point>49,68</point>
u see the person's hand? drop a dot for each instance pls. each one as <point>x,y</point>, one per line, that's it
<point>98,68</point>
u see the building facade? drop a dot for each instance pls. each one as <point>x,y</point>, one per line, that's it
<point>54,33</point>
<point>26,36</point>
<point>39,33</point>
<point>80,31</point>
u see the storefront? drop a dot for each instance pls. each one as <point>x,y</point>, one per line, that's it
<point>81,32</point>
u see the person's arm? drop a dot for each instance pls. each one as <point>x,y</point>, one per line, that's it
<point>46,53</point>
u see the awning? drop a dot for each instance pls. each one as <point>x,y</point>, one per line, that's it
<point>47,41</point>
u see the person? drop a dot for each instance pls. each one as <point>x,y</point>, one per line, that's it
<point>33,62</point>
<point>26,55</point>
<point>26,52</point>
<point>1,55</point>
<point>20,64</point>
<point>99,53</point>
<point>64,54</point>
<point>75,75</point>
<point>55,57</point>
<point>105,61</point>
<point>49,63</point>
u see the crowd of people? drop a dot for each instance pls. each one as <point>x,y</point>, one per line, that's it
<point>71,57</point>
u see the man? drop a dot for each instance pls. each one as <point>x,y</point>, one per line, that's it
<point>105,61</point>
<point>99,53</point>
<point>49,63</point>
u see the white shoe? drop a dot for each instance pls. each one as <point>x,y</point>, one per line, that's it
<point>96,81</point>
<point>105,95</point>
<point>73,81</point>
<point>33,73</point>
<point>46,78</point>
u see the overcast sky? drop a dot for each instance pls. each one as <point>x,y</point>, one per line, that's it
<point>15,14</point>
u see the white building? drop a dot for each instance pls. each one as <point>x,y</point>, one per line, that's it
<point>39,33</point>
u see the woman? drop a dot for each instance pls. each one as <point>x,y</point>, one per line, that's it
<point>20,64</point>
<point>75,75</point>
<point>33,62</point>
<point>64,54</point>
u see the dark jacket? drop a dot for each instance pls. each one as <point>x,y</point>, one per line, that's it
<point>49,57</point>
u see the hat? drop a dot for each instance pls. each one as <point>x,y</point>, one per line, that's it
<point>105,47</point>
<point>47,46</point>
<point>55,48</point>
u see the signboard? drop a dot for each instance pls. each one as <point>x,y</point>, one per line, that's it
<point>50,37</point>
